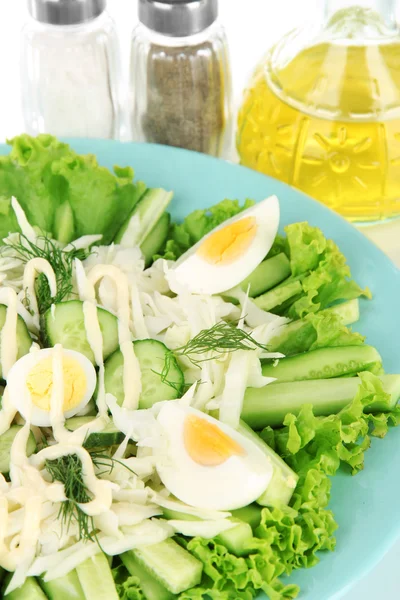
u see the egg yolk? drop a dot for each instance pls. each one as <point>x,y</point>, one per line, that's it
<point>206,444</point>
<point>40,383</point>
<point>229,243</point>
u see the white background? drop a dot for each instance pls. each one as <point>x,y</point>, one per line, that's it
<point>252,26</point>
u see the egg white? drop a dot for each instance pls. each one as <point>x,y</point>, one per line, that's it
<point>235,483</point>
<point>198,276</point>
<point>19,394</point>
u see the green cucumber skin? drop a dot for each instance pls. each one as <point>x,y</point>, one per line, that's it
<point>171,565</point>
<point>6,440</point>
<point>151,356</point>
<point>24,340</point>
<point>30,590</point>
<point>278,295</point>
<point>270,404</point>
<point>155,240</point>
<point>69,315</point>
<point>154,201</point>
<point>298,336</point>
<point>109,436</point>
<point>267,275</point>
<point>63,588</point>
<point>325,363</point>
<point>283,483</point>
<point>152,589</point>
<point>96,578</point>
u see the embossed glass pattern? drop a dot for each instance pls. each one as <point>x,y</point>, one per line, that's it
<point>322,111</point>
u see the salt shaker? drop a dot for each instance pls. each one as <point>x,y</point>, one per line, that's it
<point>180,85</point>
<point>69,69</point>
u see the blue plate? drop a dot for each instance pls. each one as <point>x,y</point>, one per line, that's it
<point>367,506</point>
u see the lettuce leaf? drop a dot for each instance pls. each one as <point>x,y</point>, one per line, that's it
<point>38,192</point>
<point>99,199</point>
<point>322,269</point>
<point>323,443</point>
<point>315,330</point>
<point>8,220</point>
<point>197,224</point>
<point>43,173</point>
<point>128,587</point>
<point>291,537</point>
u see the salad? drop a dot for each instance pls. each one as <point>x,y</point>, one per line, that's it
<point>176,396</point>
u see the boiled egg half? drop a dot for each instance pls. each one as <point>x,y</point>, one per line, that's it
<point>30,384</point>
<point>206,463</point>
<point>229,253</point>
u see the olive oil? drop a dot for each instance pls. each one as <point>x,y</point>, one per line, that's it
<point>328,122</point>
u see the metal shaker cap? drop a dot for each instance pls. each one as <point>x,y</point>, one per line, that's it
<point>65,12</point>
<point>178,18</point>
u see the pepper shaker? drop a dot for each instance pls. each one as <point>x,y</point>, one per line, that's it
<point>69,69</point>
<point>180,85</point>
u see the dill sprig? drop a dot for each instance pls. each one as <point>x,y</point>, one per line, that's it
<point>100,459</point>
<point>60,261</point>
<point>222,338</point>
<point>68,470</point>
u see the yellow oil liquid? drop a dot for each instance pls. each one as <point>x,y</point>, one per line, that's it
<point>328,123</point>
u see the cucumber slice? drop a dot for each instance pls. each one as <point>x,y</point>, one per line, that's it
<point>151,355</point>
<point>325,363</point>
<point>110,436</point>
<point>30,590</point>
<point>152,589</point>
<point>170,564</point>
<point>283,483</point>
<point>63,588</point>
<point>279,295</point>
<point>348,311</point>
<point>67,327</point>
<point>267,275</point>
<point>179,516</point>
<point>298,336</point>
<point>270,404</point>
<point>96,579</point>
<point>238,539</point>
<point>155,240</point>
<point>24,340</point>
<point>143,217</point>
<point>250,514</point>
<point>6,441</point>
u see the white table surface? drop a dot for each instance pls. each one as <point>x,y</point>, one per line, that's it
<point>252,26</point>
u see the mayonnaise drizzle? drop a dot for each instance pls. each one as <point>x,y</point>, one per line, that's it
<point>32,269</point>
<point>87,294</point>
<point>131,370</point>
<point>100,488</point>
<point>8,337</point>
<point>7,413</point>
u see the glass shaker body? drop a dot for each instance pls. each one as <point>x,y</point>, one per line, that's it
<point>180,90</point>
<point>70,78</point>
<point>322,111</point>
